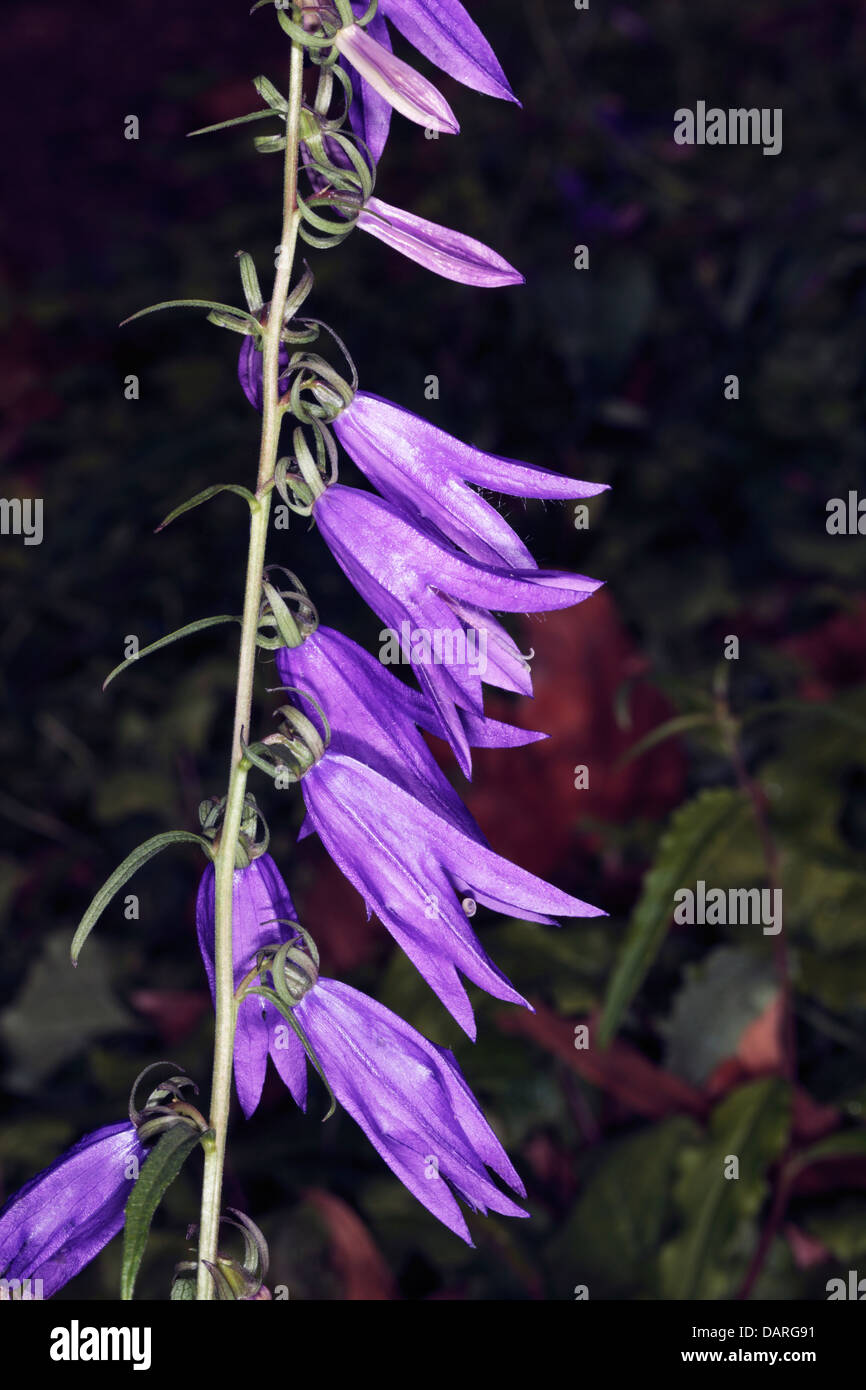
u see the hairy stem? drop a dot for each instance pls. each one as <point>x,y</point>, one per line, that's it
<point>224,863</point>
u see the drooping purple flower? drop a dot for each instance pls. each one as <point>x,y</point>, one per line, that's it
<point>411,1100</point>
<point>398,83</point>
<point>408,1095</point>
<point>445,34</point>
<point>62,1218</point>
<point>415,868</point>
<point>408,574</point>
<point>427,473</point>
<point>261,906</point>
<point>374,717</point>
<point>447,253</point>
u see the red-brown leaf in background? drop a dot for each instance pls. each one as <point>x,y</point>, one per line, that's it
<point>357,1261</point>
<point>524,798</point>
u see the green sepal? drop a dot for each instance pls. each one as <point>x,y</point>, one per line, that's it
<point>198,626</point>
<point>271,94</point>
<point>232,322</point>
<point>205,496</point>
<point>287,1013</point>
<point>160,1169</point>
<point>196,304</point>
<point>250,282</point>
<point>124,871</point>
<point>237,120</point>
<point>270,144</point>
<point>287,627</point>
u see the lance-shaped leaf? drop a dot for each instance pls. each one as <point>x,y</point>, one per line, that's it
<point>205,496</point>
<point>198,626</point>
<point>700,827</point>
<point>122,873</point>
<point>163,1164</point>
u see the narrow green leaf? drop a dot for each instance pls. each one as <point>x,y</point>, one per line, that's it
<point>702,825</point>
<point>192,304</point>
<point>198,626</point>
<point>669,729</point>
<point>238,120</point>
<point>160,1169</point>
<point>205,496</point>
<point>808,709</point>
<point>751,1125</point>
<point>848,1143</point>
<point>122,873</point>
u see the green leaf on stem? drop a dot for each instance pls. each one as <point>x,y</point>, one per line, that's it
<point>198,626</point>
<point>697,830</point>
<point>195,304</point>
<point>160,1169</point>
<point>122,873</point>
<point>205,496</point>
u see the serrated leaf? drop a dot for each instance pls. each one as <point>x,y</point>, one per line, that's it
<point>721,997</point>
<point>158,1172</point>
<point>751,1124</point>
<point>697,831</point>
<point>122,873</point>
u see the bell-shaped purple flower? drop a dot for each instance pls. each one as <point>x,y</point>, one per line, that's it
<point>409,575</point>
<point>398,83</point>
<point>410,1099</point>
<point>447,253</point>
<point>427,473</point>
<point>62,1218</point>
<point>374,717</point>
<point>408,1095</point>
<point>261,906</point>
<point>416,868</point>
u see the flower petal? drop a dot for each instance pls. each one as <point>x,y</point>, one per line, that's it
<point>447,253</point>
<point>407,91</point>
<point>444,32</point>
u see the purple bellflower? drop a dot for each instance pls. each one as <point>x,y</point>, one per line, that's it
<point>444,33</point>
<point>374,717</point>
<point>62,1218</point>
<point>427,473</point>
<point>422,873</point>
<point>409,574</point>
<point>406,1094</point>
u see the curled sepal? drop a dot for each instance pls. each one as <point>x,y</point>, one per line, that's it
<point>287,616</point>
<point>122,873</point>
<point>196,501</point>
<point>294,969</point>
<point>254,836</point>
<point>162,1166</point>
<point>165,1105</point>
<point>198,626</point>
<point>228,310</point>
<point>245,1279</point>
<point>288,1014</point>
<point>271,94</point>
<point>250,282</point>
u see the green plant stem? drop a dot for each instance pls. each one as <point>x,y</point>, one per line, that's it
<point>224,863</point>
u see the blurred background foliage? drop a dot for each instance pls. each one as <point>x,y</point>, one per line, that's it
<point>703,262</point>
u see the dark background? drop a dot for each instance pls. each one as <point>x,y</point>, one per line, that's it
<point>703,262</point>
